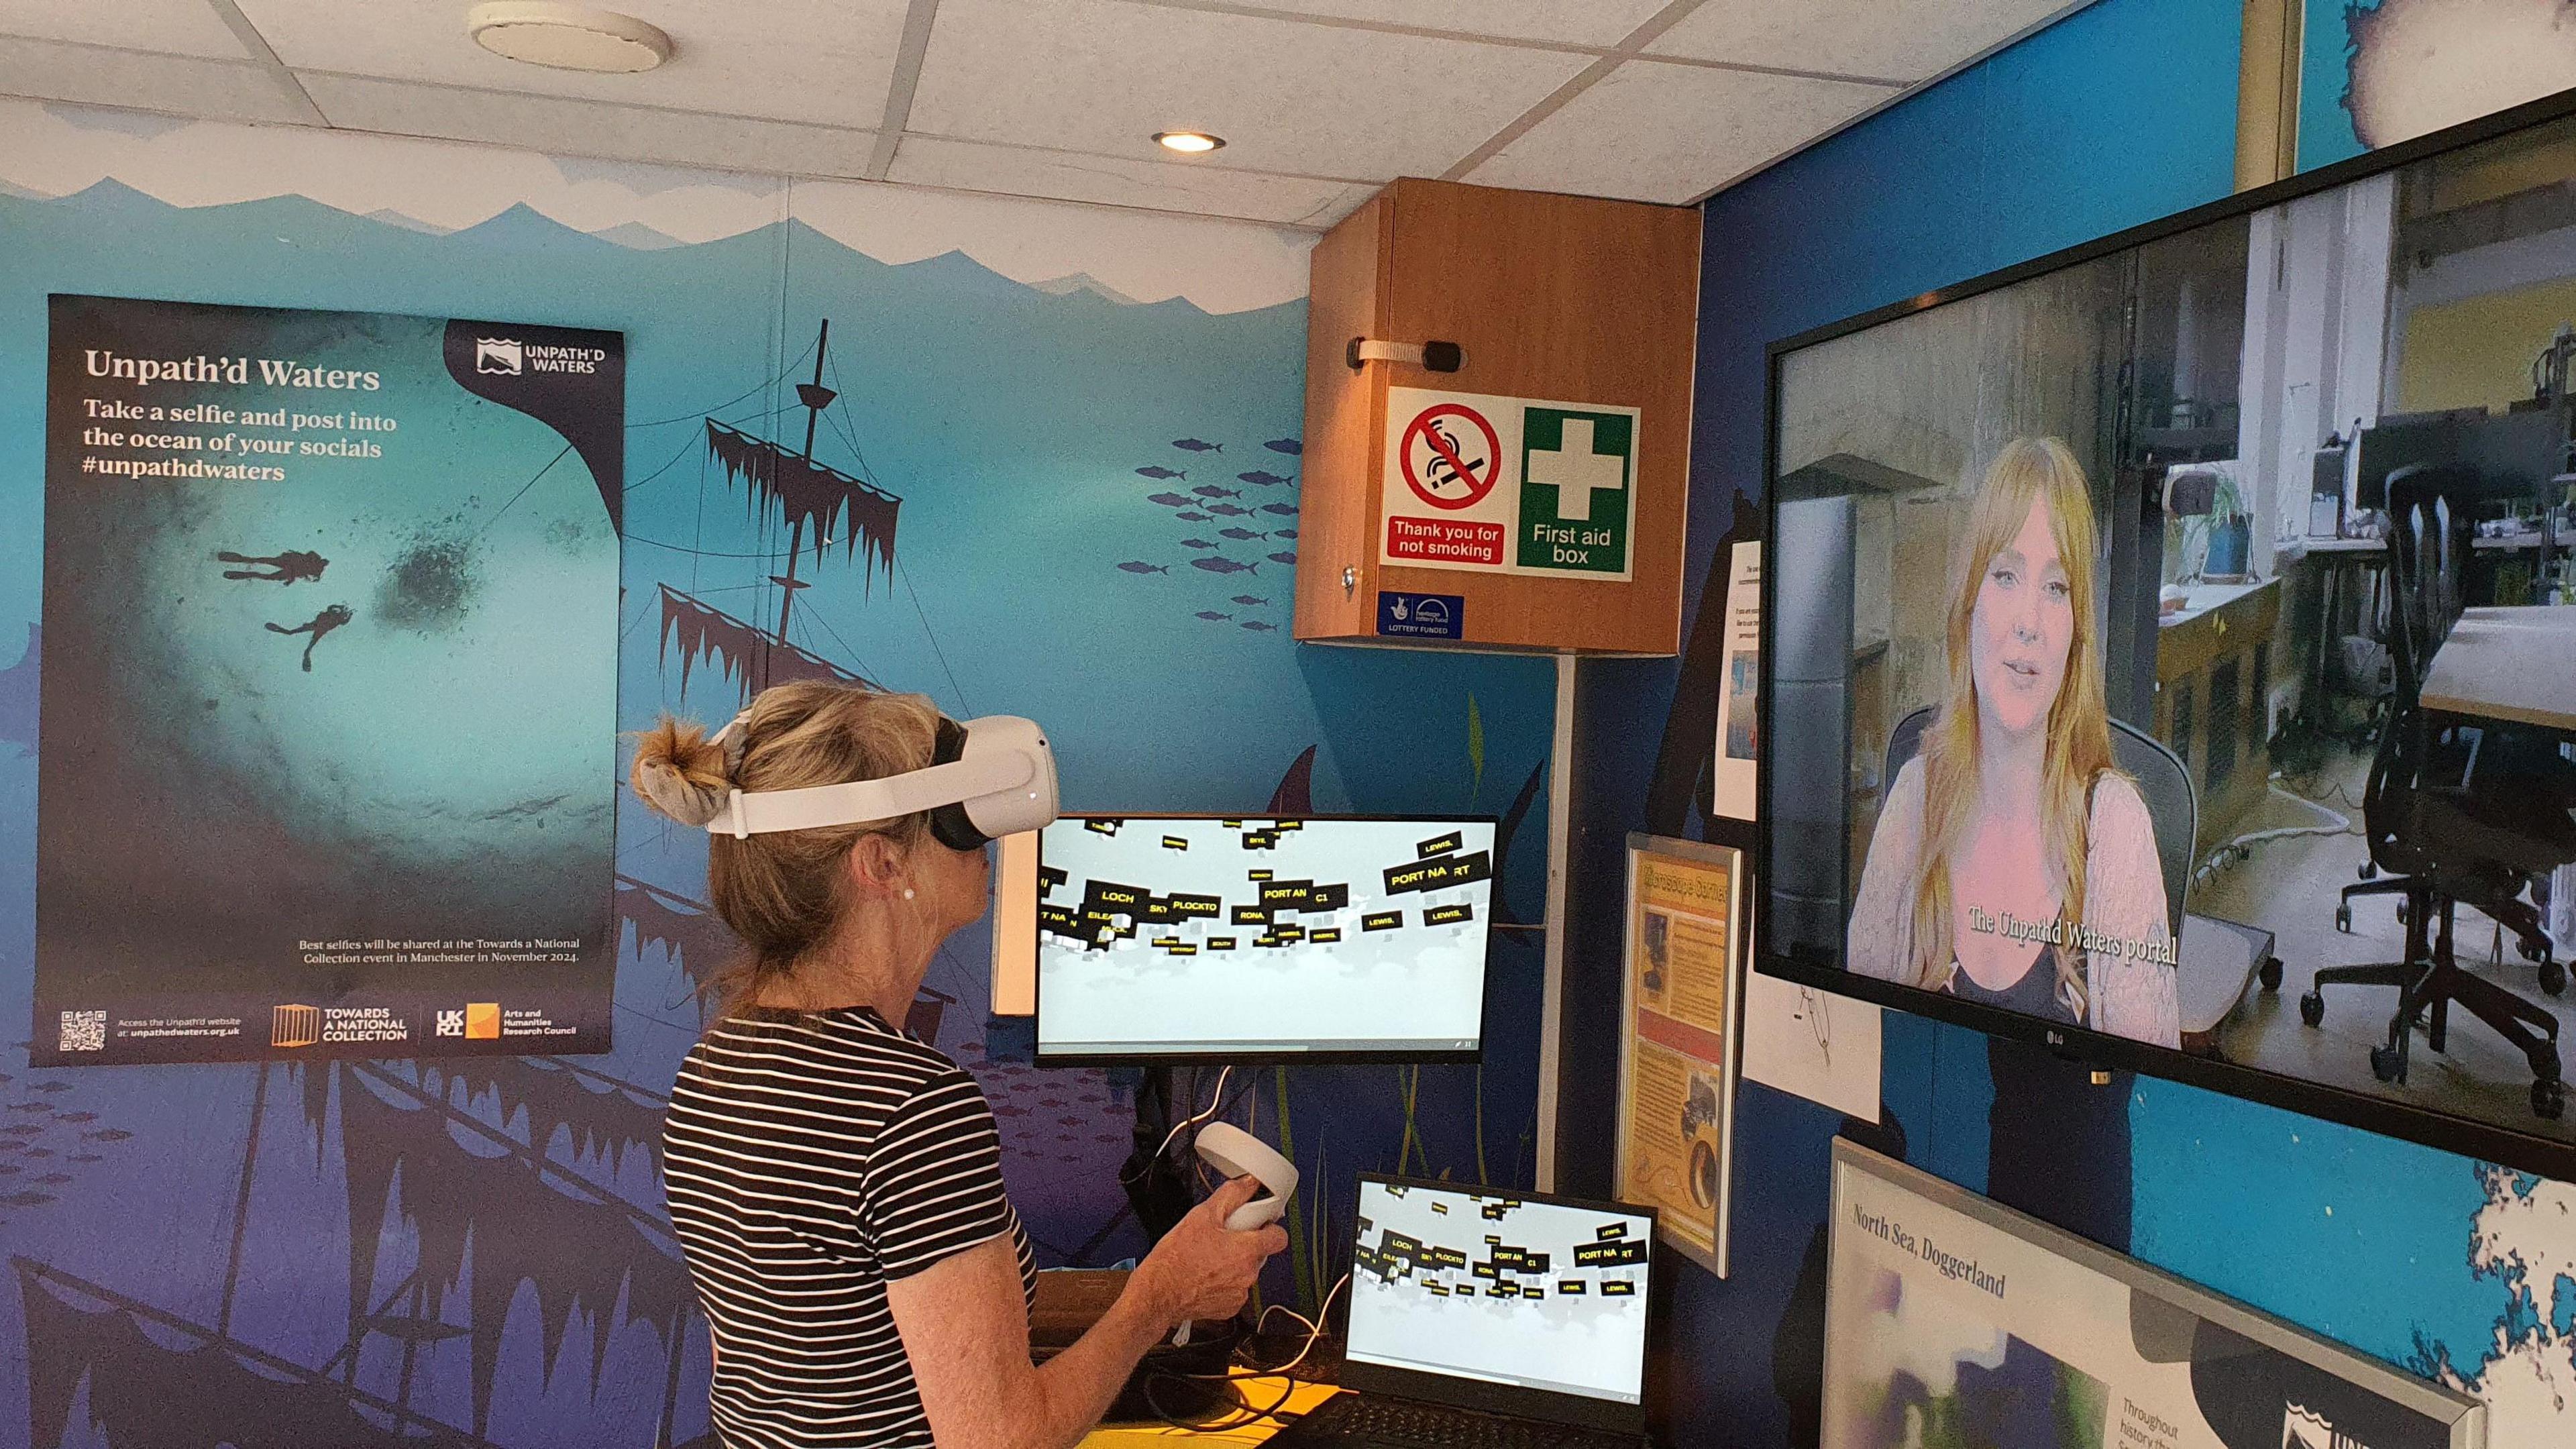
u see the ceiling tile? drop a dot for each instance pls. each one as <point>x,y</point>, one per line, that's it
<point>1894,39</point>
<point>174,27</point>
<point>564,126</point>
<point>1669,133</point>
<point>825,62</point>
<point>216,90</point>
<point>1581,22</point>
<point>1103,76</point>
<point>1068,176</point>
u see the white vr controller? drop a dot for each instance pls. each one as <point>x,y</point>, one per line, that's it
<point>1237,1153</point>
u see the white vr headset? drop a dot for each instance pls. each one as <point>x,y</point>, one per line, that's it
<point>987,778</point>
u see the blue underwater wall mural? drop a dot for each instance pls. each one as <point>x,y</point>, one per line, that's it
<point>1073,435</point>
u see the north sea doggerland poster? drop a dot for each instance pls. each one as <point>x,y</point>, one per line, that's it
<point>328,702</point>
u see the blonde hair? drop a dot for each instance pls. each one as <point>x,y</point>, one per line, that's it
<point>2079,733</point>
<point>784,894</point>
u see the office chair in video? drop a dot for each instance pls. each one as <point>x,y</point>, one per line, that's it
<point>2450,815</point>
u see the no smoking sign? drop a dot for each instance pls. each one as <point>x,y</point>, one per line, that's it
<point>1508,485</point>
<point>1452,456</point>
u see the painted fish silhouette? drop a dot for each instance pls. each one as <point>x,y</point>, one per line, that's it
<point>1172,500</point>
<point>1248,600</point>
<point>1283,533</point>
<point>84,1157</point>
<point>1286,558</point>
<point>1224,566</point>
<point>1264,628</point>
<point>1228,510</point>
<point>1195,446</point>
<point>12,1145</point>
<point>29,1198</point>
<point>1262,477</point>
<point>1289,446</point>
<point>75,1116</point>
<point>1212,616</point>
<point>54,1177</point>
<point>1192,517</point>
<point>1284,510</point>
<point>31,1106</point>
<point>1239,535</point>
<point>1210,490</point>
<point>106,1134</point>
<point>1139,566</point>
<point>1196,543</point>
<point>1157,470</point>
<point>22,1129</point>
<point>53,1086</point>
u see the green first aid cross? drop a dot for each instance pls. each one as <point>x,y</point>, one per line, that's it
<point>1578,475</point>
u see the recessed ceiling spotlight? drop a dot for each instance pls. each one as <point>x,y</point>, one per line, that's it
<point>567,37</point>
<point>1188,143</point>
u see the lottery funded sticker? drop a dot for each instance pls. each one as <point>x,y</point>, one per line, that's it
<point>1508,485</point>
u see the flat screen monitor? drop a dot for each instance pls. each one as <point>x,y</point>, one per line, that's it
<point>1491,1299</point>
<point>2167,785</point>
<point>1266,938</point>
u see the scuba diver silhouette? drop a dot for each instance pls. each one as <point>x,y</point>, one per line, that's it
<point>322,623</point>
<point>283,568</point>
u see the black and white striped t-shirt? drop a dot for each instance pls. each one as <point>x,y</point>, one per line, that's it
<point>809,1157</point>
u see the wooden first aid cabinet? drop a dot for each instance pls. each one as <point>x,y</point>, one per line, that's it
<point>1553,460</point>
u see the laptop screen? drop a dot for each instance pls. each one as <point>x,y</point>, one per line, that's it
<point>1475,1283</point>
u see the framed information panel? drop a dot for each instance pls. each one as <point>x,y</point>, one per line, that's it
<point>1951,1319</point>
<point>1680,1002</point>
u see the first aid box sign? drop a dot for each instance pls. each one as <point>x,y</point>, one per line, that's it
<point>1508,485</point>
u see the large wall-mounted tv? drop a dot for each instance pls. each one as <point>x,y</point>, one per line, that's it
<point>2177,634</point>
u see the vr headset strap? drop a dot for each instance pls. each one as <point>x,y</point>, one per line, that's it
<point>761,812</point>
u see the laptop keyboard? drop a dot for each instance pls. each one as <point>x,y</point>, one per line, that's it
<point>1395,1422</point>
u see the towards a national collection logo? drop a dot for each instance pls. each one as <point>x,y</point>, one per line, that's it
<point>497,354</point>
<point>294,1026</point>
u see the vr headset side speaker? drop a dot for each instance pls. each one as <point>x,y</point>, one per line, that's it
<point>987,778</point>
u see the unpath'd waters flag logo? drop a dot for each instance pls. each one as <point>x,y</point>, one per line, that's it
<point>498,354</point>
<point>2302,1428</point>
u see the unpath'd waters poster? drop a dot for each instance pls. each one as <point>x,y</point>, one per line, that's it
<point>328,704</point>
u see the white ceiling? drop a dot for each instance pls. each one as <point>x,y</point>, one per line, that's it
<point>1321,100</point>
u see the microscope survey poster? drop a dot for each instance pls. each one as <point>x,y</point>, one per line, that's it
<point>328,705</point>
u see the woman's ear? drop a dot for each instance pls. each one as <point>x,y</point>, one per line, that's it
<point>877,865</point>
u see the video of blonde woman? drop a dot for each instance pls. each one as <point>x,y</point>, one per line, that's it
<point>2180,644</point>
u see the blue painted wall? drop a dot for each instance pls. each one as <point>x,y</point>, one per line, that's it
<point>2118,115</point>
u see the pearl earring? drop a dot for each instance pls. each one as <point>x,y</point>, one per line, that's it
<point>907,893</point>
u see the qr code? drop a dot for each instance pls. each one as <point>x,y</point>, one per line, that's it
<point>84,1031</point>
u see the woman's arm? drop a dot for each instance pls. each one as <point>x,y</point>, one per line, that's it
<point>1875,945</point>
<point>965,1327</point>
<point>2137,995</point>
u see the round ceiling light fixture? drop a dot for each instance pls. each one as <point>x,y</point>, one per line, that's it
<point>1188,143</point>
<point>567,37</point>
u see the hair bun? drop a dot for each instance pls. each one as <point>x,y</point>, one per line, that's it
<point>680,773</point>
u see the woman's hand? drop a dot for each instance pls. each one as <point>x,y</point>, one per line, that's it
<point>1202,1271</point>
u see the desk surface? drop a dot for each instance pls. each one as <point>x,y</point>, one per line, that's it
<point>1259,1393</point>
<point>2511,663</point>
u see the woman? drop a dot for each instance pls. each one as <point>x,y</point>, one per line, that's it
<point>836,1183</point>
<point>2013,865</point>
